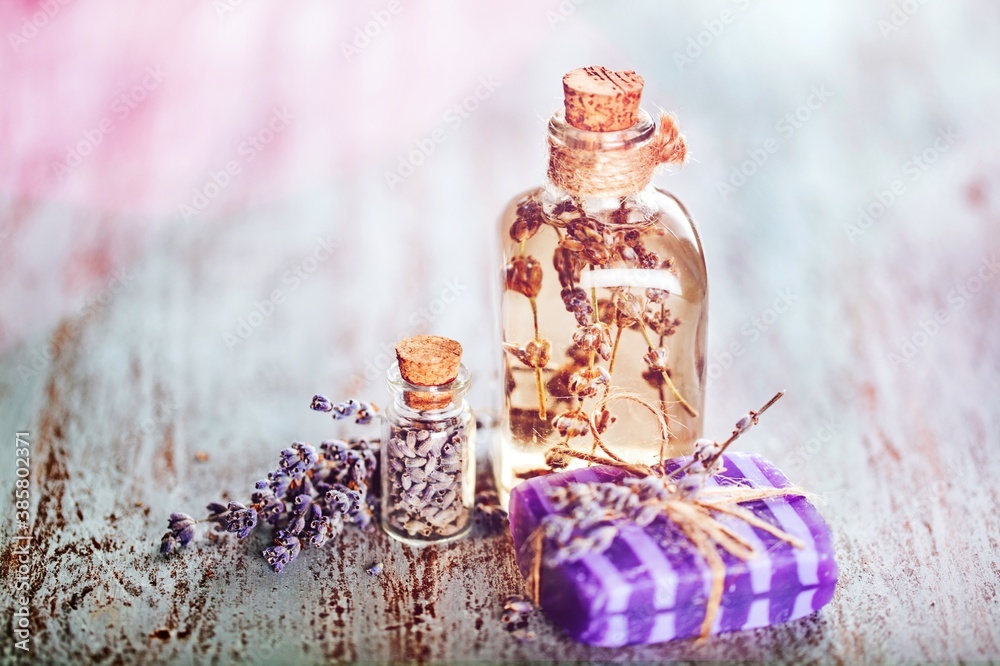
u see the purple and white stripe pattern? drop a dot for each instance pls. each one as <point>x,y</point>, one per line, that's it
<point>651,585</point>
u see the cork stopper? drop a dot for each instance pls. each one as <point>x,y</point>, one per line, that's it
<point>428,360</point>
<point>600,100</point>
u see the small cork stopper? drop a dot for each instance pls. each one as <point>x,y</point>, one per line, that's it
<point>428,360</point>
<point>600,100</point>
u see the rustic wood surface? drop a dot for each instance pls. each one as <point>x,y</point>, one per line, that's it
<point>885,335</point>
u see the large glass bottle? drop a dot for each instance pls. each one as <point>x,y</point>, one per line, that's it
<point>604,305</point>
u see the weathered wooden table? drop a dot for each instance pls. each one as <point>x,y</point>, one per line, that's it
<point>179,383</point>
<point>907,461</point>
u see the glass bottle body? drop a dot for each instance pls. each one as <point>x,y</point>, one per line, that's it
<point>428,461</point>
<point>603,297</point>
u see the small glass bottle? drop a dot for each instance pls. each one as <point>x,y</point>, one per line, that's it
<point>604,292</point>
<point>428,455</point>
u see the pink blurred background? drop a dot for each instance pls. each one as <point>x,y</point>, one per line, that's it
<point>119,123</point>
<point>114,117</point>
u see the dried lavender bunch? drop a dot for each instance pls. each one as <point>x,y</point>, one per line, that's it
<point>589,516</point>
<point>307,500</point>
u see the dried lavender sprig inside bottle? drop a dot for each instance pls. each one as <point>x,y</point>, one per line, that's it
<point>428,461</point>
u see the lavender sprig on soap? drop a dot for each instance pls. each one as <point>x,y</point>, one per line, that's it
<point>308,499</point>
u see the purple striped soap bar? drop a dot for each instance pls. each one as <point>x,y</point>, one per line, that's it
<point>651,584</point>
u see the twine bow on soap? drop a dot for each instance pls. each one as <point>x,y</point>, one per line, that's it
<point>695,510</point>
<point>586,172</point>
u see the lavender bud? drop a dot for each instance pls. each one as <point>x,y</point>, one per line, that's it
<point>320,403</point>
<point>366,411</point>
<point>167,544</point>
<point>646,515</point>
<point>576,548</point>
<point>657,358</point>
<point>359,469</point>
<point>338,500</point>
<point>603,537</point>
<point>285,549</point>
<point>690,484</point>
<point>185,535</point>
<point>342,410</point>
<point>319,527</point>
<point>362,517</point>
<point>296,525</point>
<point>180,520</point>
<point>239,519</point>
<point>181,531</point>
<point>334,449</point>
<point>510,616</point>
<point>279,481</point>
<point>518,604</point>
<point>215,509</point>
<point>271,509</point>
<point>705,449</point>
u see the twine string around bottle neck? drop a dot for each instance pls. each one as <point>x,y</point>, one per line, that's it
<point>589,172</point>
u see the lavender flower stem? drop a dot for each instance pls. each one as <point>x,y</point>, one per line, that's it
<point>542,412</point>
<point>614,350</point>
<point>666,378</point>
<point>708,464</point>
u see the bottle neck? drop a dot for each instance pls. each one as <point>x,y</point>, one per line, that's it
<point>428,402</point>
<point>602,164</point>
